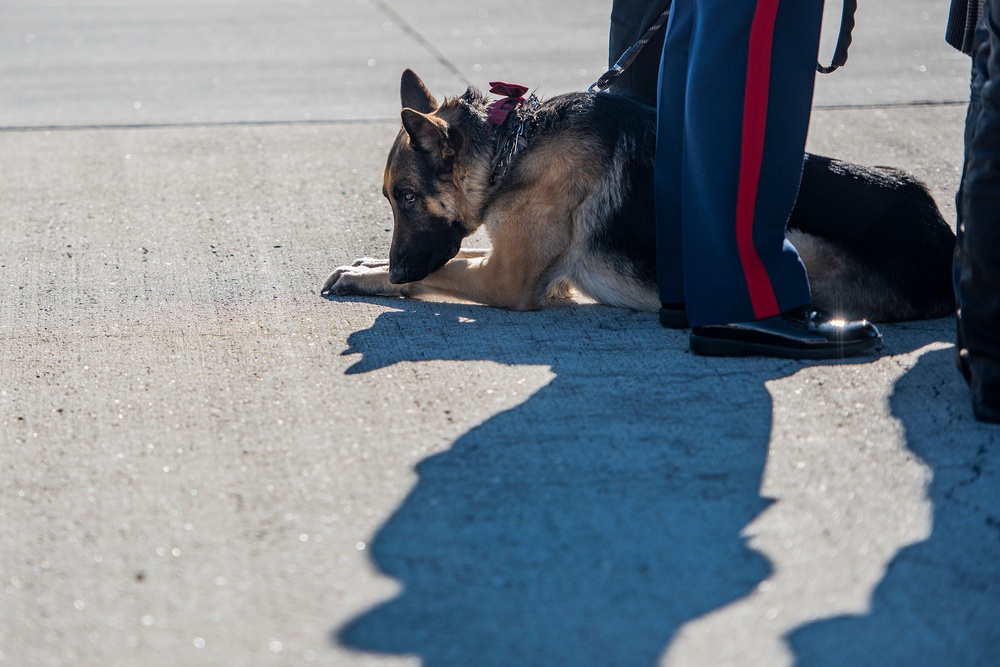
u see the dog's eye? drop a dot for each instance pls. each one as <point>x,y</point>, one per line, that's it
<point>404,197</point>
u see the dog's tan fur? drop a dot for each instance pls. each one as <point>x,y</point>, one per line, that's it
<point>532,229</point>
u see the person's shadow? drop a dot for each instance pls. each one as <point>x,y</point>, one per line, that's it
<point>586,525</point>
<point>939,602</point>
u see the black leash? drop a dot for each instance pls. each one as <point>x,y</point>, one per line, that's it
<point>630,55</point>
<point>844,40</point>
<point>839,56</point>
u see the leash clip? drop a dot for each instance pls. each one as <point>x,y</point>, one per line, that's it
<point>606,79</point>
<point>630,55</point>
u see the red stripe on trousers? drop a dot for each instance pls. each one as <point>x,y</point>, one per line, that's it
<point>765,304</point>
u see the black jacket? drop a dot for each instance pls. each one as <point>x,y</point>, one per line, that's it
<point>962,23</point>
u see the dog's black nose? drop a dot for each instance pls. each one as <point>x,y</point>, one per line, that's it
<point>397,275</point>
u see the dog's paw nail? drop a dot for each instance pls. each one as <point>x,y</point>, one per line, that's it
<point>343,287</point>
<point>331,281</point>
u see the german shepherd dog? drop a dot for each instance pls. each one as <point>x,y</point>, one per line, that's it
<point>565,190</point>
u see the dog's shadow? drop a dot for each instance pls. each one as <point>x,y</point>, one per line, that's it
<point>587,524</point>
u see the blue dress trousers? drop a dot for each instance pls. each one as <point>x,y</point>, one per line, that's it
<point>735,95</point>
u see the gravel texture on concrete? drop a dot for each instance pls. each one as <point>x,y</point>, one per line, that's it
<point>206,463</point>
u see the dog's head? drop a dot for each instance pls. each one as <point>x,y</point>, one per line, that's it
<point>432,180</point>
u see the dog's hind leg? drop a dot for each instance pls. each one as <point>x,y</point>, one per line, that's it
<point>611,282</point>
<point>880,248</point>
<point>844,287</point>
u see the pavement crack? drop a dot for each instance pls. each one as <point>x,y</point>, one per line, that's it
<point>891,105</point>
<point>170,126</point>
<point>403,25</point>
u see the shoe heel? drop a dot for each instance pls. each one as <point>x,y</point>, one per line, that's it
<point>671,318</point>
<point>711,347</point>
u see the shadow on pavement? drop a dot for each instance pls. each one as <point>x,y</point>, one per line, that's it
<point>586,525</point>
<point>939,601</point>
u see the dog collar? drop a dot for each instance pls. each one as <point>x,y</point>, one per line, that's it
<point>510,137</point>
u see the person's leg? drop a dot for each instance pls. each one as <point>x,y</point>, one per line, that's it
<point>629,21</point>
<point>980,56</point>
<point>978,258</point>
<point>669,161</point>
<point>749,94</point>
<point>747,114</point>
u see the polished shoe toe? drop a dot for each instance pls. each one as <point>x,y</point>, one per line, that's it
<point>800,333</point>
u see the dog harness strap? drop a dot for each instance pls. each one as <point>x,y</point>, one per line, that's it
<point>762,297</point>
<point>510,137</point>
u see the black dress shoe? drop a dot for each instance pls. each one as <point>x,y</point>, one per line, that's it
<point>984,411</point>
<point>674,316</point>
<point>985,395</point>
<point>800,333</point>
<point>961,351</point>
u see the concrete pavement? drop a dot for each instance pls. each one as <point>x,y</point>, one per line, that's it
<point>205,463</point>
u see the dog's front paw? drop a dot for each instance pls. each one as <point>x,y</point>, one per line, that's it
<point>370,263</point>
<point>361,279</point>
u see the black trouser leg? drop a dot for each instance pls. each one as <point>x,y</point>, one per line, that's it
<point>629,20</point>
<point>977,258</point>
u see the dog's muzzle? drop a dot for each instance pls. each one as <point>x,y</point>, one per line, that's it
<point>397,275</point>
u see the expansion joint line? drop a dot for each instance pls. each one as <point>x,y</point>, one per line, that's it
<point>402,24</point>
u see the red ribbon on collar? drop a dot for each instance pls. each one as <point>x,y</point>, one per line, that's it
<point>513,98</point>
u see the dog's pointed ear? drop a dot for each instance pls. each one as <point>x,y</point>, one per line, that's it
<point>414,94</point>
<point>429,134</point>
